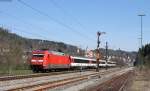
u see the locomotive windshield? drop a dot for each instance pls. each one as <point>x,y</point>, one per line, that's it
<point>38,55</point>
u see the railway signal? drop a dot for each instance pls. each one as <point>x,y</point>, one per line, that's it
<point>106,54</point>
<point>98,54</point>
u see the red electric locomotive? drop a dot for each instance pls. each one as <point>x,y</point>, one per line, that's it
<point>45,59</point>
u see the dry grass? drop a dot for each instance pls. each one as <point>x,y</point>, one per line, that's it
<point>141,80</point>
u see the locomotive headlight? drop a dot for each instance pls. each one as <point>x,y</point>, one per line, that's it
<point>33,60</point>
<point>40,60</point>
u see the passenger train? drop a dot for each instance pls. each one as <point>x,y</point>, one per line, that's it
<point>52,60</point>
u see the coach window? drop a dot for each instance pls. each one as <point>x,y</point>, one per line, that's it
<point>102,62</point>
<point>93,61</point>
<point>81,61</point>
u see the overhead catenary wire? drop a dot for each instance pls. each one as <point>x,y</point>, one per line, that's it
<point>66,12</point>
<point>10,28</point>
<point>33,34</point>
<point>24,22</point>
<point>27,23</point>
<point>69,14</point>
<point>55,20</point>
<point>40,41</point>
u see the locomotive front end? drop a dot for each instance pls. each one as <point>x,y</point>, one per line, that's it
<point>37,61</point>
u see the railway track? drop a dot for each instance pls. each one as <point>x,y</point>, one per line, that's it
<point>117,83</point>
<point>15,77</point>
<point>57,83</point>
<point>47,85</point>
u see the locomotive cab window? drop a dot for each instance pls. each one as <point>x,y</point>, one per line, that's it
<point>38,55</point>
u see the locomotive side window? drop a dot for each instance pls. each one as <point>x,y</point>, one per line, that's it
<point>38,55</point>
<point>81,61</point>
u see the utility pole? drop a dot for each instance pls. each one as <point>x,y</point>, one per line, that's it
<point>98,55</point>
<point>106,54</point>
<point>141,15</point>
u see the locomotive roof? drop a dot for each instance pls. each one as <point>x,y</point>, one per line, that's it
<point>38,51</point>
<point>57,53</point>
<point>54,52</point>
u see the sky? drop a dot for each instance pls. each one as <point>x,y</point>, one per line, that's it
<point>77,22</point>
